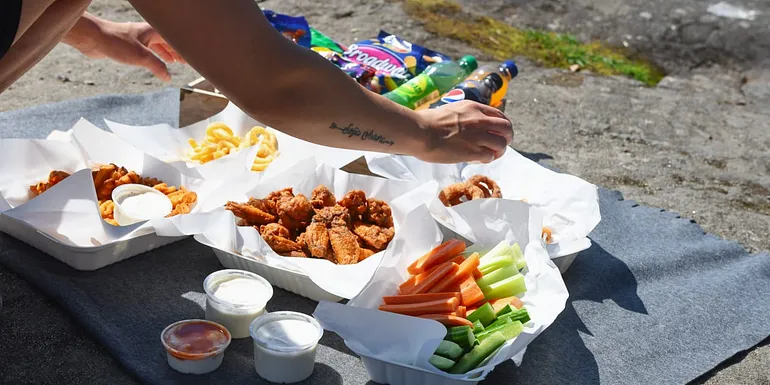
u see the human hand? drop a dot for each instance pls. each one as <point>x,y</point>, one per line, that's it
<point>465,131</point>
<point>129,43</point>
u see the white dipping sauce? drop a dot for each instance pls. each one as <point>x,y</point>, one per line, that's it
<point>136,203</point>
<point>234,298</point>
<point>285,346</point>
<point>146,205</point>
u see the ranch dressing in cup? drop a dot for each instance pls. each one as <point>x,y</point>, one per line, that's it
<point>285,346</point>
<point>234,298</point>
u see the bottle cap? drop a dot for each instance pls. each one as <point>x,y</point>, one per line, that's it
<point>468,63</point>
<point>510,65</point>
<point>494,80</point>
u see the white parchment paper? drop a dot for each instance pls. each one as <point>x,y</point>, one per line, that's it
<point>410,341</point>
<point>570,204</point>
<point>341,280</point>
<point>171,145</point>
<point>69,212</point>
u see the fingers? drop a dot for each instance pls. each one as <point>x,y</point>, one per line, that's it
<point>153,64</point>
<point>496,143</point>
<point>161,51</point>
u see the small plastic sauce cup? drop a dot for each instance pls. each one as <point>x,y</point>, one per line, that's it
<point>285,346</point>
<point>195,346</point>
<point>234,298</point>
<point>158,206</point>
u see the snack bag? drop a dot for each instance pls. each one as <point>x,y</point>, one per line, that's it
<point>395,59</point>
<point>293,28</point>
<point>362,73</point>
<point>320,42</point>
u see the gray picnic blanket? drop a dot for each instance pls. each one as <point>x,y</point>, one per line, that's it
<point>655,300</point>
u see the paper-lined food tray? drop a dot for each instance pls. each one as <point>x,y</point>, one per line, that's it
<point>68,219</point>
<point>338,279</point>
<point>570,204</point>
<point>288,280</point>
<point>83,258</point>
<point>398,353</point>
<point>173,146</point>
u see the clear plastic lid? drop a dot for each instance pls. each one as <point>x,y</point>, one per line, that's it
<point>286,331</point>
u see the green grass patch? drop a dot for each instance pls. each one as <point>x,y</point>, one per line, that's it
<point>502,41</point>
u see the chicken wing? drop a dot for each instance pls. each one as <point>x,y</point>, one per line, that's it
<point>251,215</point>
<point>316,237</point>
<point>281,245</point>
<point>379,213</point>
<point>328,216</point>
<point>345,245</point>
<point>355,202</point>
<point>295,213</point>
<point>365,253</point>
<point>265,205</point>
<point>274,229</point>
<point>373,236</point>
<point>322,197</point>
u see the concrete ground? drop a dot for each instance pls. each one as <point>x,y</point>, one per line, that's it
<point>698,143</point>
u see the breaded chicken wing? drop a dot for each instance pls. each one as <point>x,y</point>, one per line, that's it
<point>355,202</point>
<point>295,213</point>
<point>316,237</point>
<point>332,215</point>
<point>322,197</point>
<point>281,245</point>
<point>274,229</point>
<point>345,245</point>
<point>378,213</point>
<point>374,236</point>
<point>251,215</point>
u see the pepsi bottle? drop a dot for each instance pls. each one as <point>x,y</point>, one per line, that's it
<point>478,91</point>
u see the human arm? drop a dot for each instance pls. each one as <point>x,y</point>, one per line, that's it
<point>298,92</point>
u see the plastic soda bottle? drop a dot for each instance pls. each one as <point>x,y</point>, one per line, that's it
<point>507,70</point>
<point>434,81</point>
<point>478,91</point>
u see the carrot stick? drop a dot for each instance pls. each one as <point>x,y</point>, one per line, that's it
<point>477,273</point>
<point>435,276</point>
<point>415,279</point>
<point>500,303</point>
<point>440,254</point>
<point>432,307</point>
<point>408,285</point>
<point>461,311</point>
<point>448,320</point>
<point>415,298</point>
<point>470,292</point>
<point>465,271</point>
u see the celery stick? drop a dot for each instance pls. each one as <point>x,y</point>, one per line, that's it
<point>441,363</point>
<point>478,327</point>
<point>495,263</point>
<point>505,288</point>
<point>461,335</point>
<point>497,275</point>
<point>505,310</point>
<point>500,321</point>
<point>485,313</point>
<point>521,315</point>
<point>479,353</point>
<point>518,257</point>
<point>496,251</point>
<point>509,331</point>
<point>449,350</point>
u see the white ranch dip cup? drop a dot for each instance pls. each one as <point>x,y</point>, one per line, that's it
<point>135,203</point>
<point>234,298</point>
<point>285,346</point>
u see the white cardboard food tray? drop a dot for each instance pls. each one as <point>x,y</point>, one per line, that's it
<point>385,372</point>
<point>288,280</point>
<point>83,258</point>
